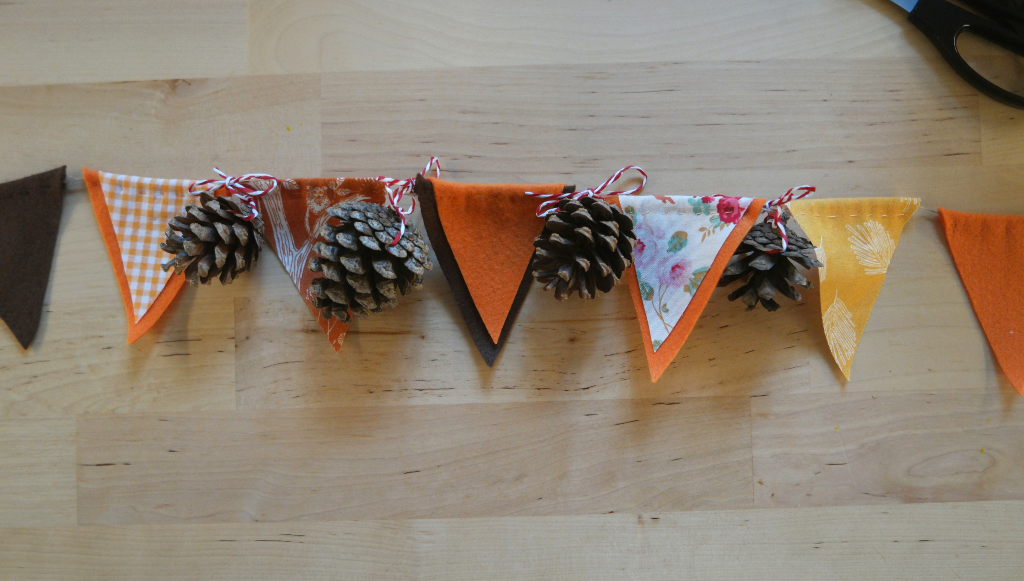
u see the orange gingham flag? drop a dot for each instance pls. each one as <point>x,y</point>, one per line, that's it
<point>139,210</point>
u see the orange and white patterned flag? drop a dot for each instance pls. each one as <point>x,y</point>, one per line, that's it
<point>293,216</point>
<point>132,213</point>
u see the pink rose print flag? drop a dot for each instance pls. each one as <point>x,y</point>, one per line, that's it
<point>683,245</point>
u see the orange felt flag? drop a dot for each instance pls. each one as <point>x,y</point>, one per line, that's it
<point>684,244</point>
<point>988,251</point>
<point>132,213</point>
<point>293,215</point>
<point>483,237</point>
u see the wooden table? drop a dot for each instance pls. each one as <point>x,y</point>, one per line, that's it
<point>231,442</point>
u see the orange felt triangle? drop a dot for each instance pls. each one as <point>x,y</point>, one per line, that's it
<point>989,254</point>
<point>166,294</point>
<point>292,218</point>
<point>490,229</point>
<point>658,361</point>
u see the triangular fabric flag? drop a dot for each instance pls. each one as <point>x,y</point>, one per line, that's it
<point>483,237</point>
<point>132,213</point>
<point>989,253</point>
<point>855,239</point>
<point>683,245</point>
<point>293,216</point>
<point>30,210</point>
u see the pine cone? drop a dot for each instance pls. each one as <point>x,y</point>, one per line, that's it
<point>769,273</point>
<point>209,241</point>
<point>585,246</point>
<point>362,271</point>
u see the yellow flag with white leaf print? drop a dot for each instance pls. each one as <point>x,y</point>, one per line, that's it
<point>855,238</point>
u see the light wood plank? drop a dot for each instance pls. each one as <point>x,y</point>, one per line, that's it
<point>1001,130</point>
<point>37,472</point>
<point>171,129</point>
<point>561,120</point>
<point>318,35</point>
<point>877,448</point>
<point>558,351</point>
<point>55,41</point>
<point>933,542</point>
<point>414,462</point>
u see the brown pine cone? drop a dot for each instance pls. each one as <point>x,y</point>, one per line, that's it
<point>769,273</point>
<point>362,271</point>
<point>585,246</point>
<point>209,241</point>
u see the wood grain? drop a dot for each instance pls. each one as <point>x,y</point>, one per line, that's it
<point>37,472</point>
<point>878,448</point>
<point>556,121</point>
<point>175,129</point>
<point>415,462</point>
<point>288,36</point>
<point>557,352</point>
<point>910,542</point>
<point>53,41</point>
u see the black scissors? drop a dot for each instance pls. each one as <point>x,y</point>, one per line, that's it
<point>1000,22</point>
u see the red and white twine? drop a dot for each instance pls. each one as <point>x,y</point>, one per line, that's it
<point>240,186</point>
<point>775,212</point>
<point>551,200</point>
<point>396,189</point>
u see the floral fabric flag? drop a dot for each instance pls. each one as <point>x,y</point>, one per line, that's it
<point>855,238</point>
<point>132,213</point>
<point>683,245</point>
<point>989,254</point>
<point>293,215</point>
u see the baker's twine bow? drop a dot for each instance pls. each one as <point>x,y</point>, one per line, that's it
<point>551,203</point>
<point>775,212</point>
<point>241,186</point>
<point>396,189</point>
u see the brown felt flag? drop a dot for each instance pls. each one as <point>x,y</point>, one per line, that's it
<point>483,237</point>
<point>30,211</point>
<point>989,254</point>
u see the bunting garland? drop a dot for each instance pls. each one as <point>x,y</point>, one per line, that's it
<point>30,209</point>
<point>855,238</point>
<point>346,245</point>
<point>989,254</point>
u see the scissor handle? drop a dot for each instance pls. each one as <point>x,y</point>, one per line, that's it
<point>942,22</point>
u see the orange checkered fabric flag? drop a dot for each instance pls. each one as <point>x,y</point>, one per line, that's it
<point>132,213</point>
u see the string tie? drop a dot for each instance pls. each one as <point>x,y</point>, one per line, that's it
<point>397,189</point>
<point>775,212</point>
<point>551,200</point>
<point>247,188</point>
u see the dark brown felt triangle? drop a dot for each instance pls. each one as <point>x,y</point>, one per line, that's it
<point>460,291</point>
<point>30,210</point>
